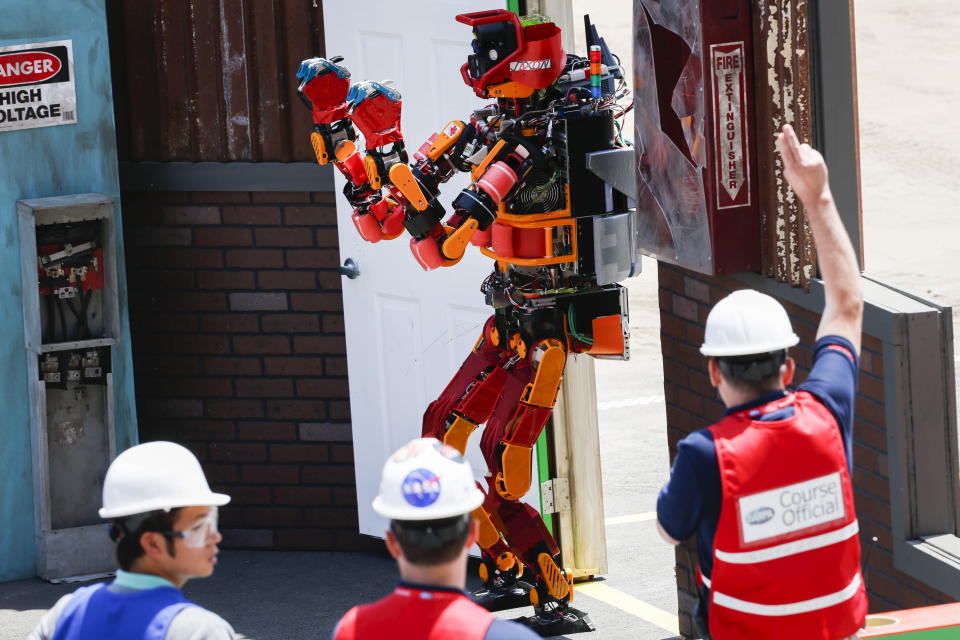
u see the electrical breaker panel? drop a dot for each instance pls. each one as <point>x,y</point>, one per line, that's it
<point>68,261</point>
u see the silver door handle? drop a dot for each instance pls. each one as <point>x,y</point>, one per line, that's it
<point>350,268</point>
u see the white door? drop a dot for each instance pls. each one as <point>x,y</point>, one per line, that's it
<point>407,330</point>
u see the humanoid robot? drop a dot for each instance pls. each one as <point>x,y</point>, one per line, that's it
<point>559,238</point>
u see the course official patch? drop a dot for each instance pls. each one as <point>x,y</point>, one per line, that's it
<point>37,85</point>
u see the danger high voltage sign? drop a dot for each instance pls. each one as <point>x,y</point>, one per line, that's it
<point>36,85</point>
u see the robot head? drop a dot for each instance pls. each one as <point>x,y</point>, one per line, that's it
<point>511,60</point>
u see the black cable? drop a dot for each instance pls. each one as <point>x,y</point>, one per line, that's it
<point>51,319</point>
<point>63,318</point>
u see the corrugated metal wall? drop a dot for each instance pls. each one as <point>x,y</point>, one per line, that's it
<point>212,80</point>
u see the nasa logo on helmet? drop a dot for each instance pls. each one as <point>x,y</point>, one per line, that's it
<point>421,488</point>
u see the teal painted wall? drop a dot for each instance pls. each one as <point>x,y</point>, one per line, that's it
<point>35,163</point>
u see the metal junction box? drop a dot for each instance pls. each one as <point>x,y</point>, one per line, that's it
<point>71,323</point>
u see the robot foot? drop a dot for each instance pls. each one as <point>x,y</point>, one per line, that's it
<point>557,620</point>
<point>502,587</point>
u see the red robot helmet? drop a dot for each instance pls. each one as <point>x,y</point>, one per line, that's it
<point>511,60</point>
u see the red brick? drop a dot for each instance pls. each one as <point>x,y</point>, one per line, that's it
<point>310,215</point>
<point>676,373</point>
<point>669,278</point>
<point>694,333</point>
<point>220,473</point>
<point>339,409</point>
<point>255,258</point>
<point>330,518</point>
<point>306,539</point>
<point>249,495</point>
<point>281,197</point>
<point>870,435</point>
<point>864,457</point>
<point>232,366</point>
<point>251,215</point>
<point>258,301</point>
<point>191,215</point>
<point>333,323</point>
<point>264,388</point>
<point>299,453</point>
<point>672,326</point>
<point>203,387</point>
<point>193,258</point>
<point>207,430</point>
<point>690,401</point>
<point>316,301</point>
<point>296,409</point>
<point>335,366</point>
<point>238,452</point>
<point>876,510</point>
<point>167,323</point>
<point>218,197</point>
<point>320,344</point>
<point>345,496</point>
<point>313,258</point>
<point>173,408</point>
<point>151,279</point>
<point>306,496</point>
<point>272,517</point>
<point>342,453</point>
<point>690,356</point>
<point>234,408</point>
<point>200,343</point>
<point>329,281</point>
<point>322,388</point>
<point>199,449</point>
<point>187,301</point>
<point>870,411</point>
<point>327,238</point>
<point>293,366</point>
<point>266,431</point>
<point>287,280</point>
<point>261,344</point>
<point>670,392</point>
<point>325,196</point>
<point>872,388</point>
<point>176,365</point>
<point>291,323</point>
<point>162,237</point>
<point>222,237</point>
<point>665,298</point>
<point>284,237</point>
<point>230,323</point>
<point>685,308</point>
<point>872,343</point>
<point>873,484</point>
<point>696,289</point>
<point>225,280</point>
<point>270,474</point>
<point>328,474</point>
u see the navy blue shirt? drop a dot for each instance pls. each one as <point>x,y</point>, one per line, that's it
<point>690,501</point>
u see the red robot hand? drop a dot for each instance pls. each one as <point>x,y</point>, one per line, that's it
<point>375,109</point>
<point>323,87</point>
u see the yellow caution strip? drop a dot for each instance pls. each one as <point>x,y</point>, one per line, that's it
<point>633,606</point>
<point>637,517</point>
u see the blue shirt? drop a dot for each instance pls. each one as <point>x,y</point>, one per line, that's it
<point>690,501</point>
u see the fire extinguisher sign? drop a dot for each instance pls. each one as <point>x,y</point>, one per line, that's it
<point>36,85</point>
<point>730,123</point>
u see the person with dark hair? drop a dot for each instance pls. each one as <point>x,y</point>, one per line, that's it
<point>428,492</point>
<point>767,489</point>
<point>163,518</point>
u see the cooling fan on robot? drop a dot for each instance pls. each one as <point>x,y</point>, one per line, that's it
<point>541,192</point>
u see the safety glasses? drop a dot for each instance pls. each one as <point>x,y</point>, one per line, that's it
<point>200,533</point>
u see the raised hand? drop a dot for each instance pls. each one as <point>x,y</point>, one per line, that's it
<point>803,167</point>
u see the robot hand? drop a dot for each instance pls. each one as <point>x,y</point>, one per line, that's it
<point>380,218</point>
<point>323,88</point>
<point>375,109</point>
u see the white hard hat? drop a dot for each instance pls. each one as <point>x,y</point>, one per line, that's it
<point>426,480</point>
<point>155,475</point>
<point>747,322</point>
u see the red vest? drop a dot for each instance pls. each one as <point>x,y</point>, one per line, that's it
<point>416,614</point>
<point>786,556</point>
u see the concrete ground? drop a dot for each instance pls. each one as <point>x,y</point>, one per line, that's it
<point>909,179</point>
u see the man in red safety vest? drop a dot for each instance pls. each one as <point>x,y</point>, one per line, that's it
<point>427,490</point>
<point>767,489</point>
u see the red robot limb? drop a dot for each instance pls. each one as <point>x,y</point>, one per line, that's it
<point>513,391</point>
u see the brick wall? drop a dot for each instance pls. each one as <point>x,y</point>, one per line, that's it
<point>692,403</point>
<point>239,353</point>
